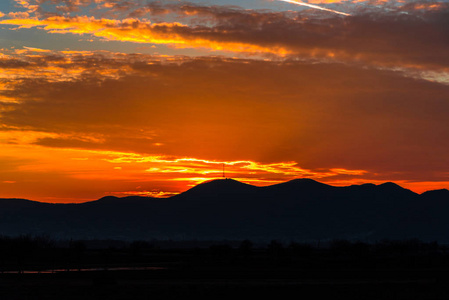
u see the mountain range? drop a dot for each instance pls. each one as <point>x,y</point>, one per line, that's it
<point>301,210</point>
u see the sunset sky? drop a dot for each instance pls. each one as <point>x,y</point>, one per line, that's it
<point>116,97</point>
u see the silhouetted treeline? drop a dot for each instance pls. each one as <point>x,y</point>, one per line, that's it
<point>42,253</point>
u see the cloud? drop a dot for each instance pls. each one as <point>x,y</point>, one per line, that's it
<point>425,6</point>
<point>413,44</point>
<point>29,5</point>
<point>321,116</point>
<point>133,30</point>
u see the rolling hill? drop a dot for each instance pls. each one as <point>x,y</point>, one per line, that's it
<point>298,210</point>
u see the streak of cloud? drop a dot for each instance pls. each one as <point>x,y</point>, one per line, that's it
<point>315,7</point>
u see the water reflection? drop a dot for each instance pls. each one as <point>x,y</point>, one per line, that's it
<point>83,270</point>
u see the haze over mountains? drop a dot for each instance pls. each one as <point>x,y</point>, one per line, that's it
<point>301,210</point>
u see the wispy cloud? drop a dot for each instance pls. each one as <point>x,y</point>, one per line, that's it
<point>315,7</point>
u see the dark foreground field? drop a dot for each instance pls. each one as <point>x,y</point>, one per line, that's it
<point>340,270</point>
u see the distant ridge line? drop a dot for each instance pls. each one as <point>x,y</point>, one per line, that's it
<point>297,180</point>
<point>227,209</point>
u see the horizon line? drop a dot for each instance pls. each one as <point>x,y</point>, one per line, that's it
<point>222,179</point>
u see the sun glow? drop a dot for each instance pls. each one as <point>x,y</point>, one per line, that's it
<point>79,167</point>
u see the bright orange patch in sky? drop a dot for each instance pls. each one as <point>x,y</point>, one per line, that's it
<point>49,173</point>
<point>78,169</point>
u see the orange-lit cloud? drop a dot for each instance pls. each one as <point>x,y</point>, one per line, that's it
<point>275,114</point>
<point>431,6</point>
<point>154,194</point>
<point>77,168</point>
<point>30,5</point>
<point>133,30</point>
<point>348,172</point>
<point>278,35</point>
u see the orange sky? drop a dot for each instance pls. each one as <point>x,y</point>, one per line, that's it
<point>148,98</point>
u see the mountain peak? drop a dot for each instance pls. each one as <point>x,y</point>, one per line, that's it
<point>225,183</point>
<point>305,181</point>
<point>113,200</point>
<point>220,185</point>
<point>391,185</point>
<point>302,183</point>
<point>107,198</point>
<point>436,193</point>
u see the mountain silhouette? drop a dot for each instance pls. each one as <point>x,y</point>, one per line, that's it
<point>297,210</point>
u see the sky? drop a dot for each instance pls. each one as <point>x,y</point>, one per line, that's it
<point>149,98</point>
